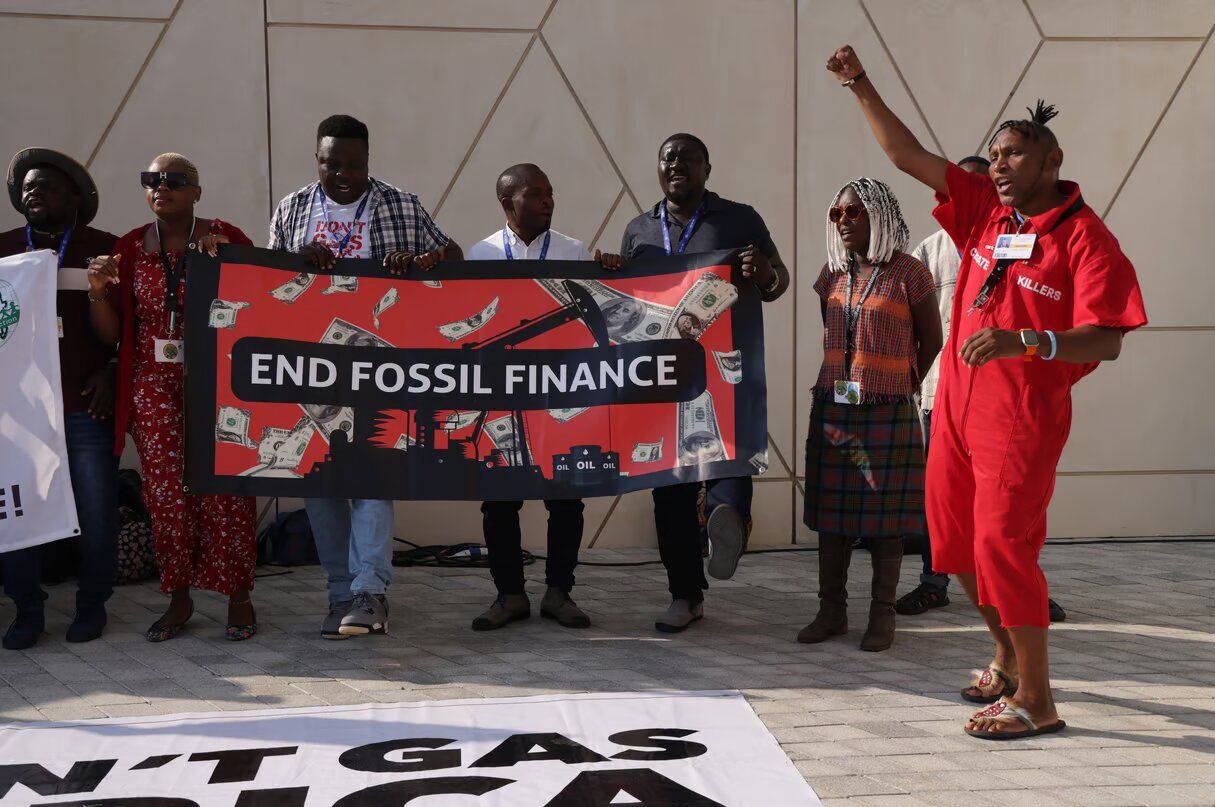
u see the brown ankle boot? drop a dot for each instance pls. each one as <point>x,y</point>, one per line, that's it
<point>834,553</point>
<point>887,556</point>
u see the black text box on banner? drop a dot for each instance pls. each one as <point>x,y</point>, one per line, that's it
<point>478,380</point>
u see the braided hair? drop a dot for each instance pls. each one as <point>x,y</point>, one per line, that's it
<point>888,232</point>
<point>1031,128</point>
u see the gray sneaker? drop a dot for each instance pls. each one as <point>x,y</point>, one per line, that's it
<point>368,614</point>
<point>333,620</point>
<point>679,615</point>
<point>506,609</point>
<point>558,605</point>
<point>727,532</point>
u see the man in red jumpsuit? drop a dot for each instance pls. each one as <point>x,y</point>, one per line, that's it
<point>1044,293</point>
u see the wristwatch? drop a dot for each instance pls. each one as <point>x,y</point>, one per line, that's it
<point>1029,338</point>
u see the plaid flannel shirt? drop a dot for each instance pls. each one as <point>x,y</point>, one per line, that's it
<point>399,223</point>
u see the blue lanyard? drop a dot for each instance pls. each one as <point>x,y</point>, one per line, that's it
<point>510,256</point>
<point>63,245</point>
<point>358,215</point>
<point>687,231</point>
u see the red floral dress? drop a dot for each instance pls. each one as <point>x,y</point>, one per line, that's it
<point>205,542</point>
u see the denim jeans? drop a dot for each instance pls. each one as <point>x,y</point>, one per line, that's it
<point>735,490</point>
<point>94,472</point>
<point>927,576</point>
<point>354,542</point>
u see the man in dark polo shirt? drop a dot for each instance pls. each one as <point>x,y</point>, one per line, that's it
<point>692,219</point>
<point>58,199</point>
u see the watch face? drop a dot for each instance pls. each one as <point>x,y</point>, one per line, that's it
<point>1029,338</point>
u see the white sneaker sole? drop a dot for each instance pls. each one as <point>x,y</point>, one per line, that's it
<point>363,630</point>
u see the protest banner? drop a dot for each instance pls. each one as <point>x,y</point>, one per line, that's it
<point>479,380</point>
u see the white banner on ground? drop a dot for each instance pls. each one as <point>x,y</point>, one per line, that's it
<point>695,749</point>
<point>36,503</point>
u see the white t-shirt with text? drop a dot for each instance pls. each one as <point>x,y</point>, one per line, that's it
<point>341,220</point>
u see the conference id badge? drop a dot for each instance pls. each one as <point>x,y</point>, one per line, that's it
<point>170,351</point>
<point>1014,246</point>
<point>848,392</point>
<point>59,320</point>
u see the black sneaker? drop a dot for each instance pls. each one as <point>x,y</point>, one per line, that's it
<point>920,599</point>
<point>1057,614</point>
<point>368,614</point>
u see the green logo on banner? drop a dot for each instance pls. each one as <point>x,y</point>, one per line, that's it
<point>10,311</point>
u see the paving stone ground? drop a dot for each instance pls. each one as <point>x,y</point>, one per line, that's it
<point>1134,665</point>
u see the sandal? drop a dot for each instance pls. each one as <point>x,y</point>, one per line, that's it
<point>980,691</point>
<point>1005,712</point>
<point>239,633</point>
<point>163,633</point>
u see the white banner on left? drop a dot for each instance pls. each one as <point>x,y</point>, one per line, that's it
<point>36,502</point>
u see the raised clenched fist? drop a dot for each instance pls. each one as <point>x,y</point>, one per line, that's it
<point>845,64</point>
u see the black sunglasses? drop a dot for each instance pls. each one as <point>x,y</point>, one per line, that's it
<point>154,179</point>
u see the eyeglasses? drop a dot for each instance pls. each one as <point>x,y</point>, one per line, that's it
<point>154,179</point>
<point>851,212</point>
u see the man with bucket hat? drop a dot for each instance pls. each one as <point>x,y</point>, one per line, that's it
<point>59,199</point>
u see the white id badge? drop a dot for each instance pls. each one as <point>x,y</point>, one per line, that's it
<point>1014,246</point>
<point>848,392</point>
<point>170,351</point>
<point>60,321</point>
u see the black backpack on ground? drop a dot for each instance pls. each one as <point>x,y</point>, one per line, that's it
<point>287,541</point>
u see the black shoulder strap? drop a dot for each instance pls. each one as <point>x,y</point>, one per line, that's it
<point>1072,209</point>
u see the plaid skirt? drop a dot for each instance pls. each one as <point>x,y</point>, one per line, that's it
<point>865,469</point>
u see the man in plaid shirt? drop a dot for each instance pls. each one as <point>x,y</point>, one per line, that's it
<point>349,214</point>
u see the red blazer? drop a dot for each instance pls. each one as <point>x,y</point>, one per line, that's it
<point>130,247</point>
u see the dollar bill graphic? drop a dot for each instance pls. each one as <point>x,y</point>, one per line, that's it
<point>760,461</point>
<point>628,319</point>
<point>459,420</point>
<point>328,418</point>
<point>455,331</point>
<point>223,313</point>
<point>232,426</point>
<point>290,291</point>
<point>390,298</point>
<point>699,435</point>
<point>729,365</point>
<point>434,284</point>
<point>272,438</point>
<point>404,442</point>
<point>700,307</point>
<point>647,452</point>
<point>290,451</point>
<point>501,432</point>
<point>266,471</point>
<point>568,414</point>
<point>341,332</point>
<point>341,283</point>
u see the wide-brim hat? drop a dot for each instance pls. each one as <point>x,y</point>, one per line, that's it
<point>26,159</point>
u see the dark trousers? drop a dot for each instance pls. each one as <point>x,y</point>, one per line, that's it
<point>927,575</point>
<point>678,527</point>
<point>735,490</point>
<point>504,541</point>
<point>94,472</point>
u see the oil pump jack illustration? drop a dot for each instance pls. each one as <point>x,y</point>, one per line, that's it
<point>510,469</point>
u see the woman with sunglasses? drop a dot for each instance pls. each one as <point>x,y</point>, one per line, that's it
<point>201,541</point>
<point>865,448</point>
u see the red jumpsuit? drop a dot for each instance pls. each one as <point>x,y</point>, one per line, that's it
<point>205,542</point>
<point>998,430</point>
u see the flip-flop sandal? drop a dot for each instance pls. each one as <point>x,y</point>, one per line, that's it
<point>984,679</point>
<point>1005,712</point>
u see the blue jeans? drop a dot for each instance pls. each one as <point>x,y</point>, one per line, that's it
<point>927,576</point>
<point>354,542</point>
<point>94,472</point>
<point>735,490</point>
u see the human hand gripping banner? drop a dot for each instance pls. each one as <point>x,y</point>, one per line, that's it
<point>36,502</point>
<point>486,380</point>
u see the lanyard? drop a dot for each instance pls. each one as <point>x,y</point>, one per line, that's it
<point>687,231</point>
<point>173,274</point>
<point>63,245</point>
<point>510,256</point>
<point>853,315</point>
<point>1001,268</point>
<point>358,216</point>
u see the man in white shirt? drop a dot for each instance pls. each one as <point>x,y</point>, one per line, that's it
<point>526,196</point>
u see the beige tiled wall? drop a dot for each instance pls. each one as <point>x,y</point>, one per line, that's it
<point>455,90</point>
